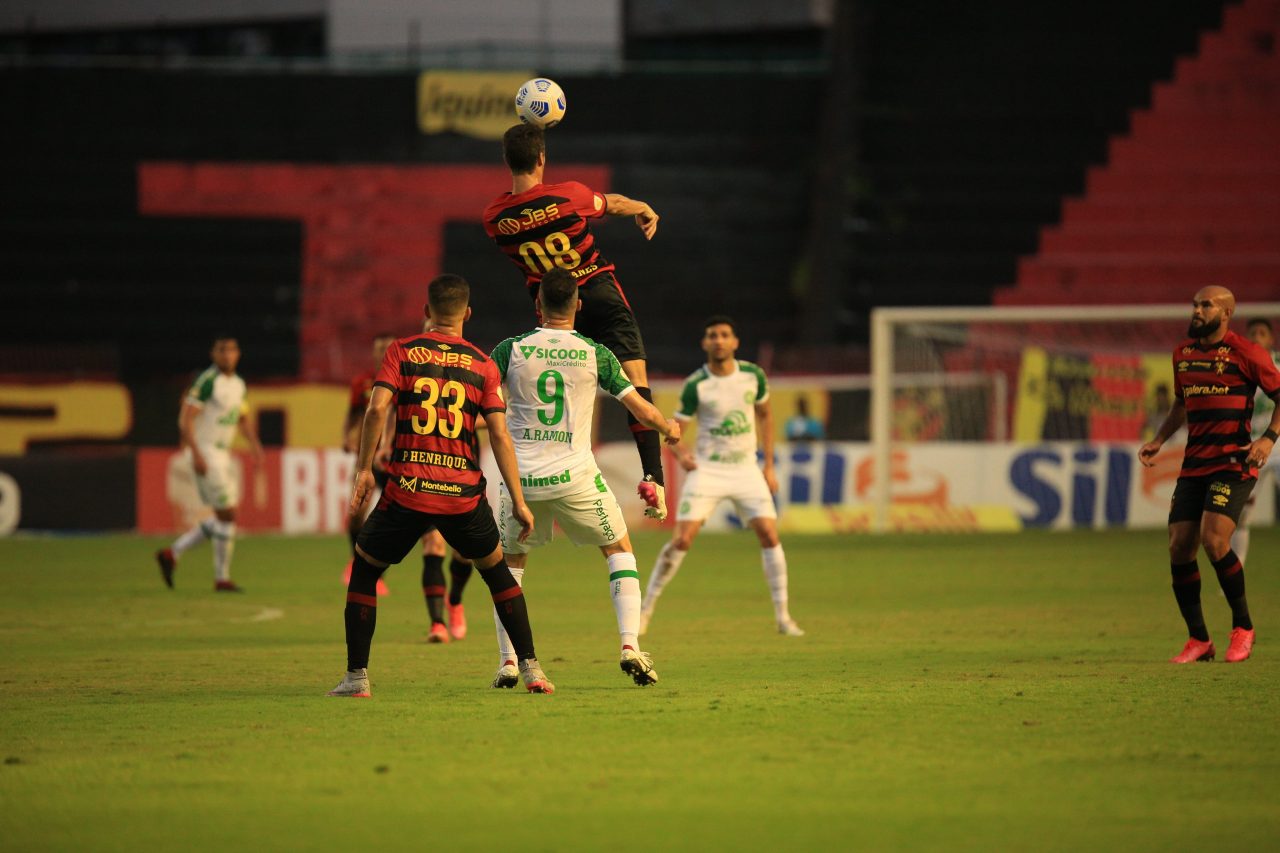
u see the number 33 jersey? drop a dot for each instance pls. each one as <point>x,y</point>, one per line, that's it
<point>551,377</point>
<point>440,384</point>
<point>546,226</point>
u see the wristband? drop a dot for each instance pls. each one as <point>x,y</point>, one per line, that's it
<point>1271,435</point>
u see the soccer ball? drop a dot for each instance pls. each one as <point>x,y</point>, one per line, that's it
<point>540,101</point>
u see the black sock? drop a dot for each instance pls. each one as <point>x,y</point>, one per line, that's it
<point>1231,578</point>
<point>513,612</point>
<point>433,585</point>
<point>648,442</point>
<point>1186,589</point>
<point>361,615</point>
<point>459,574</point>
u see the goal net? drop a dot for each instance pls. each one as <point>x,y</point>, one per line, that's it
<point>1034,413</point>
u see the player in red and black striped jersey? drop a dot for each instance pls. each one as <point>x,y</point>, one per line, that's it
<point>433,545</point>
<point>1216,374</point>
<point>439,384</point>
<point>542,226</point>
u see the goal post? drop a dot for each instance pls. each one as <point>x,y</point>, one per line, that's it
<point>1069,373</point>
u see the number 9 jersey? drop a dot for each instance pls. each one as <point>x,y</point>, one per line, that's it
<point>439,383</point>
<point>551,378</point>
<point>546,226</point>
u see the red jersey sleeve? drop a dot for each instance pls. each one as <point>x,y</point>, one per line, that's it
<point>389,373</point>
<point>491,398</point>
<point>589,203</point>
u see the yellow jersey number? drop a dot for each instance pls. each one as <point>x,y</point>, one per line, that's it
<point>432,422</point>
<point>555,250</point>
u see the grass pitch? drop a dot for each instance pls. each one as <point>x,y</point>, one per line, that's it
<point>975,692</point>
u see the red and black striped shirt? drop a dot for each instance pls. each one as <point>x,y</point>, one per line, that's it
<point>546,226</point>
<point>441,383</point>
<point>1216,383</point>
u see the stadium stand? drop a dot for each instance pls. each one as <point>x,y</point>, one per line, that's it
<point>1190,195</point>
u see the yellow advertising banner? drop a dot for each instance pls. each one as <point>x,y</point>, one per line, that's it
<point>480,104</point>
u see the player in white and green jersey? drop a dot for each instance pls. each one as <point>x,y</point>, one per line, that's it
<point>1260,332</point>
<point>212,412</point>
<point>551,377</point>
<point>728,397</point>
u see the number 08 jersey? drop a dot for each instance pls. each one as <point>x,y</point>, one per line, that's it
<point>546,226</point>
<point>441,383</point>
<point>551,378</point>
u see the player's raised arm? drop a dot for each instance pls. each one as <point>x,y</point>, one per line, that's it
<point>1172,423</point>
<point>646,216</point>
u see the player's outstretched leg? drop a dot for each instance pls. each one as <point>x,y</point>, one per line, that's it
<point>167,559</point>
<point>652,488</point>
<point>1230,572</point>
<point>1186,590</point>
<point>508,674</point>
<point>513,612</point>
<point>224,545</point>
<point>664,569</point>
<point>624,589</point>
<point>360,618</point>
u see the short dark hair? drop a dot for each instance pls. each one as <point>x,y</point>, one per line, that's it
<point>521,145</point>
<point>558,291</point>
<point>1259,321</point>
<point>224,336</point>
<point>720,320</point>
<point>448,294</point>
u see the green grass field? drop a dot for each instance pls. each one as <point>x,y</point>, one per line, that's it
<point>976,692</point>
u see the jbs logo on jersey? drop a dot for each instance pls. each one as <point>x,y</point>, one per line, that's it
<point>422,355</point>
<point>531,218</point>
<point>530,351</point>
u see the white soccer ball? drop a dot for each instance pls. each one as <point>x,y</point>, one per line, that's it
<point>540,101</point>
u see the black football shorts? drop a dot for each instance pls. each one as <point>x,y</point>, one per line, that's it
<point>391,531</point>
<point>607,319</point>
<point>1224,492</point>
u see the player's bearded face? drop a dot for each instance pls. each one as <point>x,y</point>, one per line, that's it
<point>1202,328</point>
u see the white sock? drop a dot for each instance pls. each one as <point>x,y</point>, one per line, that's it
<point>192,537</point>
<point>664,569</point>
<point>775,574</point>
<point>1240,544</point>
<point>224,544</point>
<point>624,588</point>
<point>506,651</point>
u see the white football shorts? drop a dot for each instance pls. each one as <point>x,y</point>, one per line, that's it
<point>589,515</point>
<point>709,483</point>
<point>219,488</point>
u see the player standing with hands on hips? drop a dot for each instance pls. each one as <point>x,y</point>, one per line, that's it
<point>1216,373</point>
<point>541,227</point>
